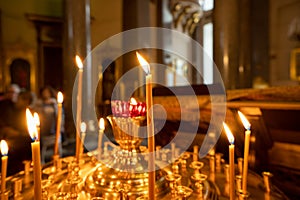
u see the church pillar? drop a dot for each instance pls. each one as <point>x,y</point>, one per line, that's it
<point>231,42</point>
<point>77,41</point>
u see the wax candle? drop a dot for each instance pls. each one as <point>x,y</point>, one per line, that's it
<point>231,162</point>
<point>150,127</point>
<point>82,129</point>
<point>246,150</point>
<point>4,152</point>
<point>79,106</point>
<point>36,155</point>
<point>37,123</point>
<point>60,99</point>
<point>100,136</point>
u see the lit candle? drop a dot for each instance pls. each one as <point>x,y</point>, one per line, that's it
<point>231,162</point>
<point>37,123</point>
<point>246,150</point>
<point>4,152</point>
<point>82,129</point>
<point>60,99</point>
<point>36,155</point>
<point>100,135</point>
<point>150,127</point>
<point>79,105</point>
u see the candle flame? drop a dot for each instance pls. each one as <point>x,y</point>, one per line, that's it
<point>4,148</point>
<point>78,62</point>
<point>83,127</point>
<point>228,133</point>
<point>31,125</point>
<point>36,119</point>
<point>244,120</point>
<point>101,124</point>
<point>143,63</point>
<point>133,101</point>
<point>60,97</point>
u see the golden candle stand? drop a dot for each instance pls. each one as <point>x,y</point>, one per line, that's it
<point>91,179</point>
<point>121,173</point>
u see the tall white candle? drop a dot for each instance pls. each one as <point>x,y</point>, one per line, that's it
<point>150,127</point>
<point>231,162</point>
<point>100,136</point>
<point>60,99</point>
<point>246,150</point>
<point>4,152</point>
<point>36,155</point>
<point>79,107</point>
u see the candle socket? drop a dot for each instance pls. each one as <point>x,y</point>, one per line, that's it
<point>197,181</point>
<point>226,172</point>
<point>240,165</point>
<point>27,164</point>
<point>242,195</point>
<point>226,191</point>
<point>266,177</point>
<point>5,195</point>
<point>184,159</point>
<point>57,162</point>
<point>218,161</point>
<point>212,177</point>
<point>175,167</point>
<point>174,180</point>
<point>196,166</point>
<point>17,188</point>
<point>212,164</point>
<point>195,152</point>
<point>238,183</point>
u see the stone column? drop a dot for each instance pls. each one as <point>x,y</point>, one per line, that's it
<point>135,14</point>
<point>226,40</point>
<point>244,68</point>
<point>77,41</point>
<point>69,69</point>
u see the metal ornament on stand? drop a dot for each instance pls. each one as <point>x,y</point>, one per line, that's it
<point>124,174</point>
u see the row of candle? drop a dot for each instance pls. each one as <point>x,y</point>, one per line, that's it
<point>231,156</point>
<point>33,125</point>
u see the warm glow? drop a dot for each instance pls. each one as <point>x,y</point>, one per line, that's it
<point>143,63</point>
<point>83,127</point>
<point>60,97</point>
<point>4,147</point>
<point>244,120</point>
<point>36,119</point>
<point>133,101</point>
<point>228,133</point>
<point>78,62</point>
<point>31,125</point>
<point>101,124</point>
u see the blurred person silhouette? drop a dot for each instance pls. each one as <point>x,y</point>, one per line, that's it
<point>13,129</point>
<point>11,93</point>
<point>46,107</point>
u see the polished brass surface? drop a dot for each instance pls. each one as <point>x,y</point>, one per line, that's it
<point>121,173</point>
<point>91,179</point>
